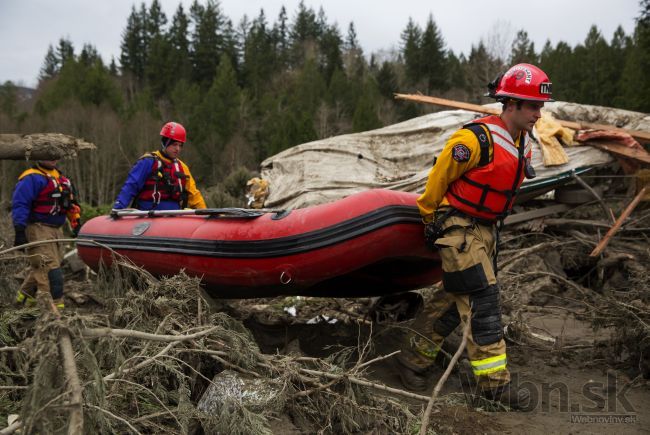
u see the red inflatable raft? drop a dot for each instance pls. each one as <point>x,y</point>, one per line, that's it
<point>369,243</point>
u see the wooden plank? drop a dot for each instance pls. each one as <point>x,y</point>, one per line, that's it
<point>642,136</point>
<point>621,150</point>
<point>448,103</point>
<point>534,214</point>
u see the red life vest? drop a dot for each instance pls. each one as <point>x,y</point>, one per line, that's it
<point>488,191</point>
<point>57,197</point>
<point>166,181</point>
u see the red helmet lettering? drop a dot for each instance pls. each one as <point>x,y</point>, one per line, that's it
<point>524,82</point>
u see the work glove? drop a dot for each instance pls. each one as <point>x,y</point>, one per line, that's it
<point>76,226</point>
<point>74,217</point>
<point>432,232</point>
<point>21,237</point>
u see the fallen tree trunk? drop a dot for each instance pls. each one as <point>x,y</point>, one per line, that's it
<point>41,146</point>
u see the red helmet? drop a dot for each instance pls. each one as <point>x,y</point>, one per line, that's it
<point>522,82</point>
<point>174,131</point>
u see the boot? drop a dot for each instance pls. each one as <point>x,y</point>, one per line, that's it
<point>413,378</point>
<point>25,299</point>
<point>509,395</point>
<point>59,304</point>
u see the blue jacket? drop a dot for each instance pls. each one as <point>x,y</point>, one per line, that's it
<point>134,184</point>
<point>25,192</point>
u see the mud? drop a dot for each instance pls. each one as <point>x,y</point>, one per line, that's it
<point>576,328</point>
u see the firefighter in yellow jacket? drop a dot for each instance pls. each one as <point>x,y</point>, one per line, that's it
<point>470,190</point>
<point>41,202</point>
<point>160,180</point>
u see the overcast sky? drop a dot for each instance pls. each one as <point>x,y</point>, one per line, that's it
<point>27,27</point>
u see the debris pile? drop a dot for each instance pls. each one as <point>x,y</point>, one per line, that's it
<point>158,358</point>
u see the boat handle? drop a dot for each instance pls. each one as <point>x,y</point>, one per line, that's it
<point>285,277</point>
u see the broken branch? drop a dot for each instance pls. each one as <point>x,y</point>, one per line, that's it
<point>130,333</point>
<point>619,222</point>
<point>443,378</point>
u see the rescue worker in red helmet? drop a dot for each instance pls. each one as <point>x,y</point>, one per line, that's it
<point>470,190</point>
<point>42,200</point>
<point>159,180</point>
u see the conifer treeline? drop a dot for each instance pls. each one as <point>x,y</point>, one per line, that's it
<point>250,90</point>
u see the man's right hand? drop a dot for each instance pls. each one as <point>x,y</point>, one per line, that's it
<point>21,237</point>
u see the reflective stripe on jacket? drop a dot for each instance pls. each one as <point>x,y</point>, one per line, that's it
<point>488,191</point>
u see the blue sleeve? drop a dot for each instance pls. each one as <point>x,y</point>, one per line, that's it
<point>26,191</point>
<point>134,183</point>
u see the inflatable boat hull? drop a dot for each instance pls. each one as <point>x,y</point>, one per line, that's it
<point>369,243</point>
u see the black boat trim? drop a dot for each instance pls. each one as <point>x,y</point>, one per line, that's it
<point>296,244</point>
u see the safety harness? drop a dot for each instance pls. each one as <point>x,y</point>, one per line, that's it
<point>165,183</point>
<point>57,197</point>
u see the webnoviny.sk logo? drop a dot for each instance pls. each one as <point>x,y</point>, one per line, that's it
<point>595,401</point>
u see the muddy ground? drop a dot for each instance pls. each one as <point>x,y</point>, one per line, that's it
<point>576,327</point>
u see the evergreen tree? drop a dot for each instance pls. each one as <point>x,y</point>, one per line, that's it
<point>523,50</point>
<point>230,45</point>
<point>480,69</point>
<point>353,60</point>
<point>351,41</point>
<point>330,52</point>
<point>132,56</point>
<point>179,59</point>
<point>50,66</point>
<point>259,56</point>
<point>281,38</point>
<point>340,94</point>
<point>455,70</point>
<point>564,73</point>
<point>365,115</point>
<point>155,20</point>
<point>85,80</point>
<point>159,70</point>
<point>387,80</point>
<point>432,64</point>
<point>216,120</point>
<point>8,99</point>
<point>619,51</point>
<point>206,40</point>
<point>595,85</point>
<point>112,68</point>
<point>64,51</point>
<point>303,35</point>
<point>89,56</point>
<point>411,41</point>
<point>635,82</point>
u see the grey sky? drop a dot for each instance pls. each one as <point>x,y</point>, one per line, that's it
<point>27,27</point>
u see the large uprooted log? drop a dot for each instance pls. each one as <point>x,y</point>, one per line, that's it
<point>41,146</point>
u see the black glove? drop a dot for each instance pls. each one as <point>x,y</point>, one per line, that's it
<point>432,232</point>
<point>21,237</point>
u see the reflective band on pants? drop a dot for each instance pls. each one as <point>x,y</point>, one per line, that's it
<point>489,365</point>
<point>427,349</point>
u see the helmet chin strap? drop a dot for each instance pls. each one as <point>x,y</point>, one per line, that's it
<point>165,142</point>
